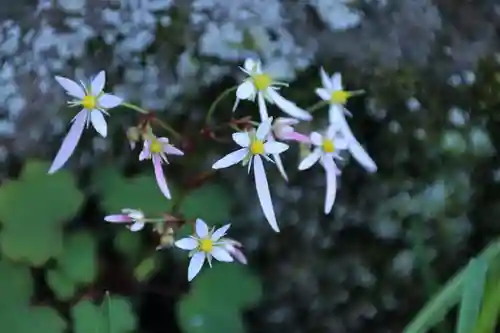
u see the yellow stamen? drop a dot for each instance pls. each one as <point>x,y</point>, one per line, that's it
<point>262,81</point>
<point>206,245</point>
<point>328,146</point>
<point>89,102</point>
<point>340,97</point>
<point>156,146</point>
<point>257,147</point>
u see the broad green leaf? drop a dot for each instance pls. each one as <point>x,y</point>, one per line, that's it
<point>63,287</point>
<point>78,261</point>
<point>472,295</point>
<point>146,268</point>
<point>33,210</point>
<point>31,320</point>
<point>128,243</point>
<point>211,202</point>
<point>16,285</point>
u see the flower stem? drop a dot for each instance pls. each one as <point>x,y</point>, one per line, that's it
<point>217,101</point>
<point>317,106</point>
<point>163,124</point>
<point>135,108</point>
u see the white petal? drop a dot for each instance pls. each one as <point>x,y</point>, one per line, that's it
<point>201,228</point>
<point>195,265</point>
<point>275,147</point>
<point>242,139</point>
<point>144,154</point>
<point>160,177</point>
<point>221,232</point>
<point>337,81</point>
<point>263,192</point>
<point>71,87</point>
<point>263,129</point>
<point>98,122</point>
<point>331,183</point>
<point>362,156</point>
<point>262,107</point>
<point>334,113</point>
<point>108,101</point>
<point>316,139</point>
<point>279,165</point>
<point>98,82</point>
<point>171,150</point>
<point>323,94</point>
<point>231,159</point>
<point>137,226</point>
<point>283,121</point>
<point>310,160</point>
<point>187,243</point>
<point>221,254</point>
<point>245,90</point>
<point>288,107</point>
<point>70,141</point>
<point>332,130</point>
<point>325,79</point>
<point>250,64</point>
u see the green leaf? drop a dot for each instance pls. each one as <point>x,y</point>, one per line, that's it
<point>211,202</point>
<point>114,316</point>
<point>472,296</point>
<point>128,243</point>
<point>78,261</point>
<point>140,192</point>
<point>33,210</point>
<point>26,319</point>
<point>63,287</point>
<point>16,285</point>
<point>146,268</point>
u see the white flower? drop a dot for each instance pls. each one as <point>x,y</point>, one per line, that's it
<point>94,103</point>
<point>333,92</point>
<point>326,149</point>
<point>255,146</point>
<point>156,149</point>
<point>127,216</point>
<point>261,84</point>
<point>204,245</point>
<point>233,247</point>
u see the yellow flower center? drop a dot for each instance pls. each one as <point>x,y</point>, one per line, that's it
<point>262,81</point>
<point>156,147</point>
<point>328,146</point>
<point>257,147</point>
<point>206,245</point>
<point>339,97</point>
<point>89,102</point>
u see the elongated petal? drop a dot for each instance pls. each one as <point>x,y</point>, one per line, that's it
<point>70,141</point>
<point>288,107</point>
<point>117,218</point>
<point>264,115</point>
<point>334,113</point>
<point>108,101</point>
<point>263,192</point>
<point>325,79</point>
<point>263,129</point>
<point>331,183</point>
<point>160,177</point>
<point>322,93</point>
<point>201,228</point>
<point>98,82</point>
<point>242,139</point>
<point>221,254</point>
<point>171,150</point>
<point>231,159</point>
<point>250,64</point>
<point>137,226</point>
<point>195,265</point>
<point>237,254</point>
<point>71,87</point>
<point>144,154</point>
<point>295,136</point>
<point>337,81</point>
<point>275,147</point>
<point>219,233</point>
<point>99,123</point>
<point>310,160</point>
<point>279,165</point>
<point>316,139</point>
<point>187,243</point>
<point>245,90</point>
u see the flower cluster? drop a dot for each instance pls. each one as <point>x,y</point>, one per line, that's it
<point>258,142</point>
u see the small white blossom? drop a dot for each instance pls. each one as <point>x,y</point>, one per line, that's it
<point>203,246</point>
<point>254,147</point>
<point>326,150</point>
<point>94,103</point>
<point>134,216</point>
<point>261,84</point>
<point>333,92</point>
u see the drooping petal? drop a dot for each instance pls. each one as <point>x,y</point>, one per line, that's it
<point>231,159</point>
<point>245,90</point>
<point>201,228</point>
<point>70,141</point>
<point>337,81</point>
<point>242,139</point>
<point>334,113</point>
<point>325,79</point>
<point>137,226</point>
<point>118,218</point>
<point>310,160</point>
<point>236,253</point>
<point>160,177</point>
<point>108,101</point>
<point>250,64</point>
<point>263,192</point>
<point>171,150</point>
<point>322,93</point>
<point>98,83</point>
<point>221,254</point>
<point>288,107</point>
<point>316,139</point>
<point>71,87</point>
<point>263,129</point>
<point>279,165</point>
<point>99,123</point>
<point>144,154</point>
<point>264,115</point>
<point>187,243</point>
<point>221,232</point>
<point>273,147</point>
<point>195,265</point>
<point>296,136</point>
<point>331,183</point>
